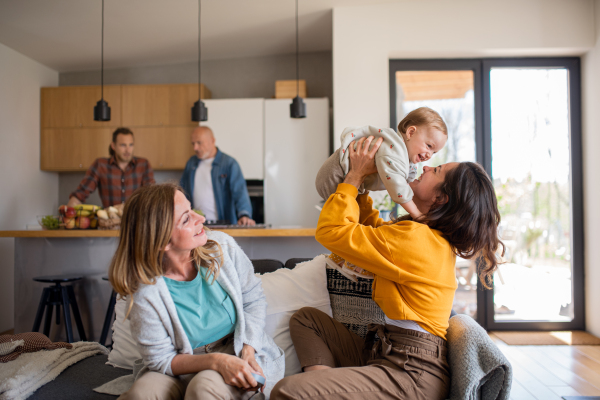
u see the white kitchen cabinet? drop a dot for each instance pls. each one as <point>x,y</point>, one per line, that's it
<point>238,125</point>
<point>295,149</point>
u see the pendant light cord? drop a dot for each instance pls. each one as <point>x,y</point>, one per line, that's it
<point>102,56</point>
<point>297,65</point>
<point>199,47</point>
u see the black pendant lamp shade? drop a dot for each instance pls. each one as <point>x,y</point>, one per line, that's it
<point>102,110</point>
<point>199,111</point>
<point>297,108</point>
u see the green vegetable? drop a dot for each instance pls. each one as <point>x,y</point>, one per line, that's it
<point>198,212</point>
<point>50,222</point>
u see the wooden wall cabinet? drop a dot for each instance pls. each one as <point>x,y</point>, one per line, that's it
<point>160,117</point>
<point>73,106</point>
<point>167,148</point>
<point>69,149</point>
<point>160,105</point>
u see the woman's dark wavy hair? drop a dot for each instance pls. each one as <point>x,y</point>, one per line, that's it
<point>469,219</point>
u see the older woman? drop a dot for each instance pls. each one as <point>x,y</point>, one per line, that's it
<point>414,284</point>
<point>197,310</point>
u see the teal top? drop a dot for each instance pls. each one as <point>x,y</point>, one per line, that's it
<point>205,310</point>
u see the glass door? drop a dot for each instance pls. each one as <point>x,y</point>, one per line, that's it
<point>533,129</point>
<point>520,119</point>
<point>450,87</point>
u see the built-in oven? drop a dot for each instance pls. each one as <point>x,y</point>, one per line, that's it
<point>257,199</point>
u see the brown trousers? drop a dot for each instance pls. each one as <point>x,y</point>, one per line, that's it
<point>404,364</point>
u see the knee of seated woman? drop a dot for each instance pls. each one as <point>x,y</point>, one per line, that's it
<point>208,376</point>
<point>305,312</point>
<point>207,384</point>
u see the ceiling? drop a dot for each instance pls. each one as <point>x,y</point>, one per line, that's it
<point>65,34</point>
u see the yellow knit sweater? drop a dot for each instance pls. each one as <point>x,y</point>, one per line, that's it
<point>412,263</point>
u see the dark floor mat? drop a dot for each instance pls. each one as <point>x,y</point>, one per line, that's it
<point>77,381</point>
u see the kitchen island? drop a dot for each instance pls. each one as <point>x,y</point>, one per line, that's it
<point>89,252</point>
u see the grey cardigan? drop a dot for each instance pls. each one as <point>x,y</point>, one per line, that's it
<point>159,334</point>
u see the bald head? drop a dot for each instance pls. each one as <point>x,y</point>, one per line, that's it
<point>203,141</point>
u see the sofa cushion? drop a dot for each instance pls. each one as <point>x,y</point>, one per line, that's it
<point>287,291</point>
<point>351,302</point>
<point>124,349</point>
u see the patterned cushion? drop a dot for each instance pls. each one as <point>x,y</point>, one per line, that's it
<point>351,302</point>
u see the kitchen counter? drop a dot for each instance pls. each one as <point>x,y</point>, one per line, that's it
<point>89,253</point>
<point>89,233</point>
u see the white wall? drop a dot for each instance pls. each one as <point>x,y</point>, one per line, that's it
<point>26,191</point>
<point>591,178</point>
<point>365,38</point>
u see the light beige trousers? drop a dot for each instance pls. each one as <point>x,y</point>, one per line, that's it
<point>204,385</point>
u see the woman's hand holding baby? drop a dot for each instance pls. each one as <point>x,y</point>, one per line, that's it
<point>362,160</point>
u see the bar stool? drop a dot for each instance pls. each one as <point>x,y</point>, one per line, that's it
<point>109,315</point>
<point>58,295</point>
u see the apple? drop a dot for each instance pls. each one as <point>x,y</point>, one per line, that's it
<point>70,212</point>
<point>69,222</point>
<point>82,222</point>
<point>62,210</point>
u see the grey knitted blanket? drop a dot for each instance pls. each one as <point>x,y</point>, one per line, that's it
<point>478,368</point>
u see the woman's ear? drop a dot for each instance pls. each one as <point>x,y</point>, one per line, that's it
<point>168,246</point>
<point>410,132</point>
<point>441,199</point>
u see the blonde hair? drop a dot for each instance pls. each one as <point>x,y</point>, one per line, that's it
<point>146,228</point>
<point>422,116</point>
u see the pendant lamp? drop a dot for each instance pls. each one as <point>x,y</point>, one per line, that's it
<point>199,111</point>
<point>102,110</point>
<point>297,108</point>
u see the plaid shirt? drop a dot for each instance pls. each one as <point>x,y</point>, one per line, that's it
<point>114,185</point>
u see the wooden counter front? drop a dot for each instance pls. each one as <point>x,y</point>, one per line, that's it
<point>90,233</point>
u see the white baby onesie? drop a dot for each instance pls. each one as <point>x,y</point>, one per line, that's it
<point>394,170</point>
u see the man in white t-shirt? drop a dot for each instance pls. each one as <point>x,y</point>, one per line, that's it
<point>213,182</point>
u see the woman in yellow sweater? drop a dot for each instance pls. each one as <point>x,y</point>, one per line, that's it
<point>414,284</point>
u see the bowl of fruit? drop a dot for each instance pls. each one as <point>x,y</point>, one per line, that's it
<point>49,221</point>
<point>82,216</point>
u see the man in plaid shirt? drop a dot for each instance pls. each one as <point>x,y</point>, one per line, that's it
<point>116,177</point>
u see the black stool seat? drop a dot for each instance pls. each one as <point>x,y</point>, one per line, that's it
<point>58,278</point>
<point>108,319</point>
<point>57,296</point>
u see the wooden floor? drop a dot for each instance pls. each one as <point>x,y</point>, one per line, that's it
<point>549,372</point>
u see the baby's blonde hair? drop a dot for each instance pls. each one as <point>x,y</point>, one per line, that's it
<point>422,116</point>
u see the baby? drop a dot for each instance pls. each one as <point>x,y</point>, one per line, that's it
<point>421,134</point>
